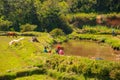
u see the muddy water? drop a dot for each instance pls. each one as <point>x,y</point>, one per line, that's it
<point>89,49</point>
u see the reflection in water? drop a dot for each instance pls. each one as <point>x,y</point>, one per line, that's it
<point>89,49</point>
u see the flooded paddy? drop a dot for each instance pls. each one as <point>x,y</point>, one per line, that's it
<point>90,49</point>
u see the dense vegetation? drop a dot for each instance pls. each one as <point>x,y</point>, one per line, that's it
<point>48,14</point>
<point>68,68</point>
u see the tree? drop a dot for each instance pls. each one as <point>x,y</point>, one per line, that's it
<point>20,12</point>
<point>82,5</point>
<point>49,16</point>
<point>4,24</point>
<point>64,7</point>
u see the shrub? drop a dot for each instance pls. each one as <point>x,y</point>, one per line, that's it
<point>57,32</point>
<point>28,27</point>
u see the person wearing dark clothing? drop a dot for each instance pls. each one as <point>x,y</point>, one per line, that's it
<point>113,33</point>
<point>58,48</point>
<point>45,50</point>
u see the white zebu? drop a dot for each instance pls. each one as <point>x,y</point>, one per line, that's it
<point>15,41</point>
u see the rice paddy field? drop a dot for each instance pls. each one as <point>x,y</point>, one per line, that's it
<point>26,55</point>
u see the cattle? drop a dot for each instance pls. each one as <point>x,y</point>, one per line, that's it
<point>13,34</point>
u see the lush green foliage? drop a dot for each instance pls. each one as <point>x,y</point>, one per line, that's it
<point>51,14</point>
<point>57,32</point>
<point>4,24</point>
<point>68,67</point>
<point>27,27</point>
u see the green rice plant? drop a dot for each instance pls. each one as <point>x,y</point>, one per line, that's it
<point>115,74</point>
<point>35,77</point>
<point>83,15</point>
<point>98,29</point>
<point>53,73</point>
<point>23,72</point>
<point>78,66</point>
<point>64,75</point>
<point>114,42</point>
<point>113,14</point>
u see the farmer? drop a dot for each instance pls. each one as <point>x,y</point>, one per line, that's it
<point>45,50</point>
<point>61,52</point>
<point>49,49</point>
<point>58,48</point>
<point>113,32</point>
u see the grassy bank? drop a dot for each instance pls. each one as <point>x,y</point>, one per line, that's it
<point>114,42</point>
<point>21,54</point>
